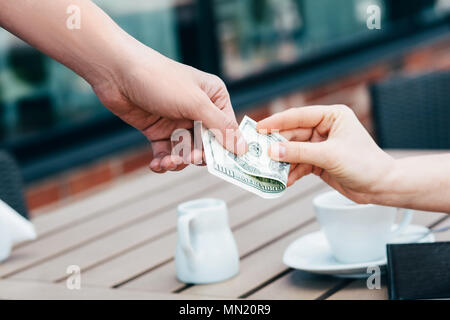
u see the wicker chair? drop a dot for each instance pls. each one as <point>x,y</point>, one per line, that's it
<point>11,187</point>
<point>413,112</point>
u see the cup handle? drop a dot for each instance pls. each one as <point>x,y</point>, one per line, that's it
<point>184,233</point>
<point>404,223</point>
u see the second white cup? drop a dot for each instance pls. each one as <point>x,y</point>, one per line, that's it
<point>357,233</point>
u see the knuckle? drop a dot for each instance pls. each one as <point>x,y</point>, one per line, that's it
<point>217,81</point>
<point>344,109</point>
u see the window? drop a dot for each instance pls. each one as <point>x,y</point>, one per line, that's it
<point>38,95</point>
<point>257,35</point>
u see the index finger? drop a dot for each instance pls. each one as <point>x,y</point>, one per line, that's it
<point>304,117</point>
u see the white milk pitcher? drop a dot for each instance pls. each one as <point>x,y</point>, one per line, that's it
<point>206,250</point>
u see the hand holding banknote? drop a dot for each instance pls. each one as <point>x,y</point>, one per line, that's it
<point>331,143</point>
<point>161,96</point>
<point>152,93</point>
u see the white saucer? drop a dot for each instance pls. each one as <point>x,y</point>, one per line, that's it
<point>312,253</point>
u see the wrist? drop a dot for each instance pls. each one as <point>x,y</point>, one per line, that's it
<point>392,189</point>
<point>128,61</point>
<point>108,65</point>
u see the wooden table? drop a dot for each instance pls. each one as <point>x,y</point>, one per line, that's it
<point>123,238</point>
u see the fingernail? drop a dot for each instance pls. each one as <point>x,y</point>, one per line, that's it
<point>177,161</point>
<point>155,169</point>
<point>278,151</point>
<point>241,146</point>
<point>172,166</point>
<point>262,130</point>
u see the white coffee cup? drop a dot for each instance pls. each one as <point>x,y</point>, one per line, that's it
<point>357,233</point>
<point>206,250</point>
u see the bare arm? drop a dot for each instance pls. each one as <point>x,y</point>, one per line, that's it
<point>90,51</point>
<point>419,183</point>
<point>330,142</point>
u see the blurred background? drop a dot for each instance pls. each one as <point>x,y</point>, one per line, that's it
<point>273,54</point>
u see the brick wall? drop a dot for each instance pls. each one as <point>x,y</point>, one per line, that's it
<point>351,90</point>
<point>76,183</point>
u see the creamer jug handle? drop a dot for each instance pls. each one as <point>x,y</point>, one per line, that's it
<point>184,228</point>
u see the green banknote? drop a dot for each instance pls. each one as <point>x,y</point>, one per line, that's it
<point>254,171</point>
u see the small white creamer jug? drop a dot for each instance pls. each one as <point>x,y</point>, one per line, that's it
<point>206,250</point>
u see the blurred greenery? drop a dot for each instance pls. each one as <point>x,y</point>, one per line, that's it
<point>258,10</point>
<point>27,64</point>
<point>38,94</point>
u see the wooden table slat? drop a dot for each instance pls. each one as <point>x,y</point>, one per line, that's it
<point>244,212</point>
<point>117,243</point>
<point>142,184</point>
<point>297,285</point>
<point>46,269</point>
<point>29,290</point>
<point>44,248</point>
<point>249,237</point>
<point>260,267</point>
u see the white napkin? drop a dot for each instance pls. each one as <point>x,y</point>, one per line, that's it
<point>5,242</point>
<point>13,229</point>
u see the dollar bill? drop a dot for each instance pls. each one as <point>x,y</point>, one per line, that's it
<point>254,171</point>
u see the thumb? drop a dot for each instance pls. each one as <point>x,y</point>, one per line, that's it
<point>301,152</point>
<point>225,128</point>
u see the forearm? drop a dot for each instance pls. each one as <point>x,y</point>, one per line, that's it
<point>93,51</point>
<point>421,183</point>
